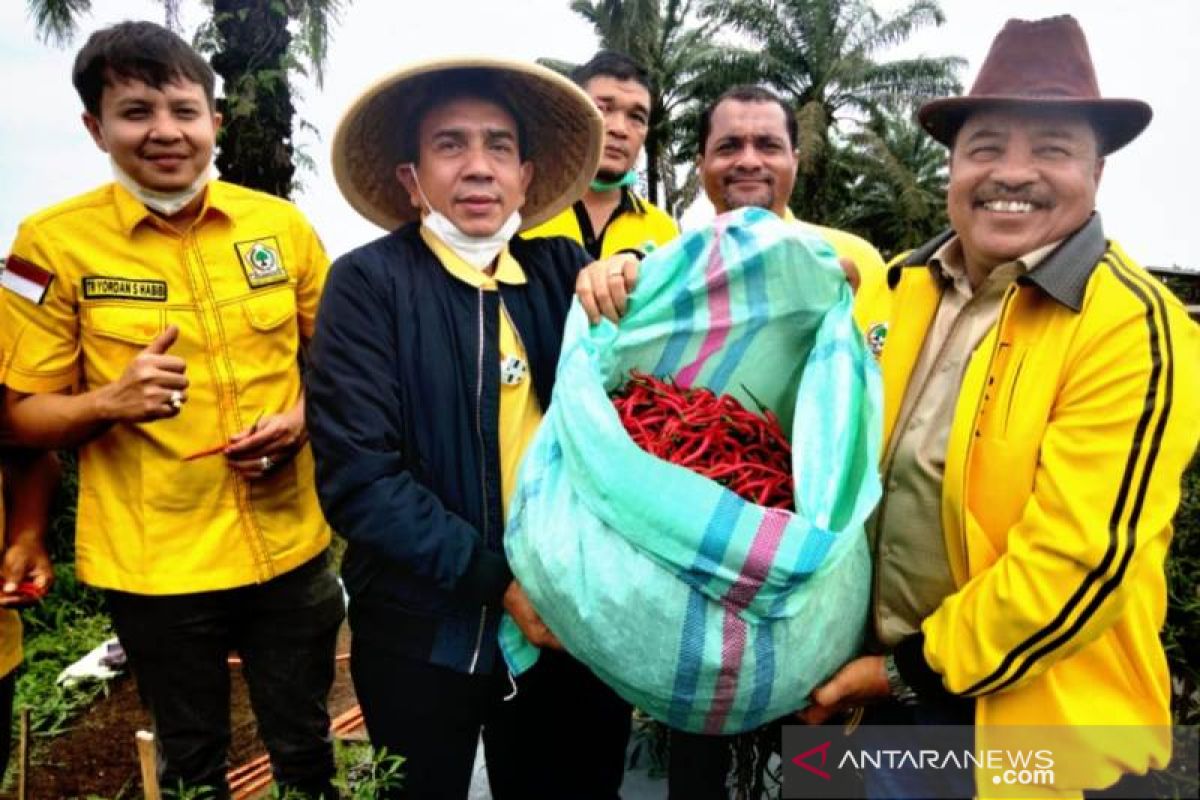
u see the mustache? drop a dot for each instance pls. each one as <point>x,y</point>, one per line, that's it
<point>752,174</point>
<point>995,191</point>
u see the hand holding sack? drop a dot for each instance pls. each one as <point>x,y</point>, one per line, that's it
<point>709,612</point>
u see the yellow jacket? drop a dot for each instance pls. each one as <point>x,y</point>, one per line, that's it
<point>635,223</point>
<point>1077,415</point>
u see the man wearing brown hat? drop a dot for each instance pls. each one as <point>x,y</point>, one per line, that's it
<point>433,360</point>
<point>1041,398</point>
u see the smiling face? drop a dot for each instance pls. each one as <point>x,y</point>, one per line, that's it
<point>625,106</point>
<point>161,137</point>
<point>1019,180</point>
<point>469,165</point>
<point>748,158</point>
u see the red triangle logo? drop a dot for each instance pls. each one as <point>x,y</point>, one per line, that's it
<point>802,760</point>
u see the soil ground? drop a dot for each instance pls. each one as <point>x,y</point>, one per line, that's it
<point>98,758</point>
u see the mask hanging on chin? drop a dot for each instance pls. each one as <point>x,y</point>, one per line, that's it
<point>166,203</point>
<point>478,251</point>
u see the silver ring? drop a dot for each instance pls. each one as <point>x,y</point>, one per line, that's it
<point>176,399</point>
<point>266,463</point>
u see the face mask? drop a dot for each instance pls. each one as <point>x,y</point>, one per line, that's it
<point>166,203</point>
<point>478,251</point>
<point>628,179</point>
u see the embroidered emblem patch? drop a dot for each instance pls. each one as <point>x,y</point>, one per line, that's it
<point>261,261</point>
<point>102,287</point>
<point>512,370</point>
<point>876,336</point>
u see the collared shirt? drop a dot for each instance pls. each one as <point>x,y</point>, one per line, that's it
<point>633,223</point>
<point>912,568</point>
<point>242,285</point>
<point>520,414</point>
<point>872,301</point>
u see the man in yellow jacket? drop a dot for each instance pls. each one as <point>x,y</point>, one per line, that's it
<point>611,218</point>
<point>1041,398</point>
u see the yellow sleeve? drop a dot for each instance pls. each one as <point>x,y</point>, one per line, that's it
<point>873,300</point>
<point>1096,527</point>
<point>41,340</point>
<point>312,271</point>
<point>10,622</point>
<point>10,641</point>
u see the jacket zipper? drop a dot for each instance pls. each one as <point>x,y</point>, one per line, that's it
<point>482,470</point>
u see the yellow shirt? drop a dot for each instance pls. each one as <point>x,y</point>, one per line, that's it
<point>872,301</point>
<point>520,414</point>
<point>242,284</point>
<point>634,223</point>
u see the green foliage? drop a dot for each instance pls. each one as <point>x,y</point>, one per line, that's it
<point>1181,634</point>
<point>895,179</point>
<point>364,773</point>
<point>61,629</point>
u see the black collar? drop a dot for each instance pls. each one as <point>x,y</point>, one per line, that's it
<point>1063,274</point>
<point>593,242</point>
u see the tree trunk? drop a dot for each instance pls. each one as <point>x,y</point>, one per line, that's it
<point>654,146</point>
<point>256,136</point>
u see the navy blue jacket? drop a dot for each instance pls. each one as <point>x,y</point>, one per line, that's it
<point>403,400</point>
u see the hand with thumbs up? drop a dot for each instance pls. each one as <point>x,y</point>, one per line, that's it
<point>153,385</point>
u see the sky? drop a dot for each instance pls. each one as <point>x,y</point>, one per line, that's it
<point>1139,49</point>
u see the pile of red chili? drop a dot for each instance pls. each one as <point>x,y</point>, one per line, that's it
<point>714,436</point>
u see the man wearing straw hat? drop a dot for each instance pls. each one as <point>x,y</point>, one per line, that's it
<point>1041,398</point>
<point>432,363</point>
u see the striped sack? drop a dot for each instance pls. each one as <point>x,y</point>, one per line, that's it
<point>708,612</point>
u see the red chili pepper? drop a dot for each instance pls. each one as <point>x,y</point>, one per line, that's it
<point>714,436</point>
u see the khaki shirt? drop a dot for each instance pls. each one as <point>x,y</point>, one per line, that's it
<point>912,572</point>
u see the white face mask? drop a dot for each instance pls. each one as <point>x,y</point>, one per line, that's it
<point>166,203</point>
<point>478,251</point>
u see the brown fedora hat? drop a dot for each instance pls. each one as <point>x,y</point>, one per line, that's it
<point>1043,63</point>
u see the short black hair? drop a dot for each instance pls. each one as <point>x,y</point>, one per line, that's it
<point>140,51</point>
<point>611,64</point>
<point>445,88</point>
<point>747,93</point>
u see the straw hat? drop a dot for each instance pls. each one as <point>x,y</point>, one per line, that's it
<point>561,125</point>
<point>1044,63</point>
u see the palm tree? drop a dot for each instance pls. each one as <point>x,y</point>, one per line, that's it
<point>251,48</point>
<point>821,55</point>
<point>678,55</point>
<point>896,196</point>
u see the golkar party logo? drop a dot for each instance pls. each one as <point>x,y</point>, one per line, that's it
<point>261,261</point>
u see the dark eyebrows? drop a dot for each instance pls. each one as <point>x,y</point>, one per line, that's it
<point>494,134</point>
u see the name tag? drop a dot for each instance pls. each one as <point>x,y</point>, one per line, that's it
<point>99,287</point>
